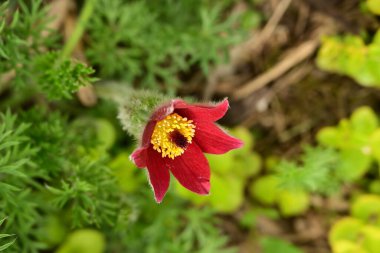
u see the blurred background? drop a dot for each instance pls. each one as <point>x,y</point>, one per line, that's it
<point>302,78</point>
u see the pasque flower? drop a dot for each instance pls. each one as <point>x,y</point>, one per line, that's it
<point>174,140</point>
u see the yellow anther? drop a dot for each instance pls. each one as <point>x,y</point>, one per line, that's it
<point>172,135</point>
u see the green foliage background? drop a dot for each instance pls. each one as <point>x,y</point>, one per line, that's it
<point>66,182</point>
<point>66,178</point>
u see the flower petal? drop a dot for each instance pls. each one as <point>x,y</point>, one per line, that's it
<point>159,176</point>
<point>201,112</point>
<point>191,169</point>
<point>139,157</point>
<point>163,111</point>
<point>213,140</point>
<point>159,114</point>
<point>147,134</point>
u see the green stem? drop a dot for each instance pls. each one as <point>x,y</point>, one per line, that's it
<point>79,29</point>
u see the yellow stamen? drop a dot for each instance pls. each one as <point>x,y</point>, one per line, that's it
<point>167,131</point>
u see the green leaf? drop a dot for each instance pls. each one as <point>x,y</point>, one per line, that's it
<point>376,39</point>
<point>2,221</point>
<point>374,144</point>
<point>364,121</point>
<point>128,176</point>
<point>348,247</point>
<point>346,229</point>
<point>367,208</point>
<point>84,241</point>
<point>227,193</point>
<point>52,230</point>
<point>248,165</point>
<point>374,187</point>
<point>371,238</point>
<point>329,136</point>
<point>273,245</point>
<point>223,165</point>
<point>15,19</point>
<point>6,235</point>
<point>7,245</point>
<point>293,203</point>
<point>106,133</point>
<point>353,164</point>
<point>265,189</point>
<point>374,6</point>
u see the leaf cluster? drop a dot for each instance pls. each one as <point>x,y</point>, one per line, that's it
<point>146,43</point>
<point>47,168</point>
<point>360,231</point>
<point>172,228</point>
<point>272,244</point>
<point>28,50</point>
<point>350,55</point>
<point>4,246</point>
<point>315,173</point>
<point>357,140</point>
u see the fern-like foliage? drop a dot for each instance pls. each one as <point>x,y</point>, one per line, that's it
<point>47,167</point>
<point>15,161</point>
<point>27,48</point>
<point>186,229</point>
<point>316,171</point>
<point>4,246</point>
<point>152,42</point>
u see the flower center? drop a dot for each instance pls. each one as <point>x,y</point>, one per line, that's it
<point>172,135</point>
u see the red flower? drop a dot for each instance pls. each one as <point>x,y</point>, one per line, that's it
<point>174,140</point>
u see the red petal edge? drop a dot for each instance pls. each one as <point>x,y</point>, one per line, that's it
<point>159,114</point>
<point>191,169</point>
<point>139,157</point>
<point>201,112</point>
<point>159,176</point>
<point>213,140</point>
<point>163,111</point>
<point>147,134</point>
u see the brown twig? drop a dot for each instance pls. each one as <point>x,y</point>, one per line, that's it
<point>257,41</point>
<point>58,11</point>
<point>244,52</point>
<point>5,79</point>
<point>294,57</point>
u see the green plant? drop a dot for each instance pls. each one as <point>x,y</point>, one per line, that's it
<point>315,173</point>
<point>186,229</point>
<point>357,140</point>
<point>28,48</point>
<point>289,183</point>
<point>45,160</point>
<point>267,190</point>
<point>359,232</point>
<point>84,241</point>
<point>4,246</point>
<point>350,55</point>
<point>273,244</point>
<point>374,6</point>
<point>150,43</point>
